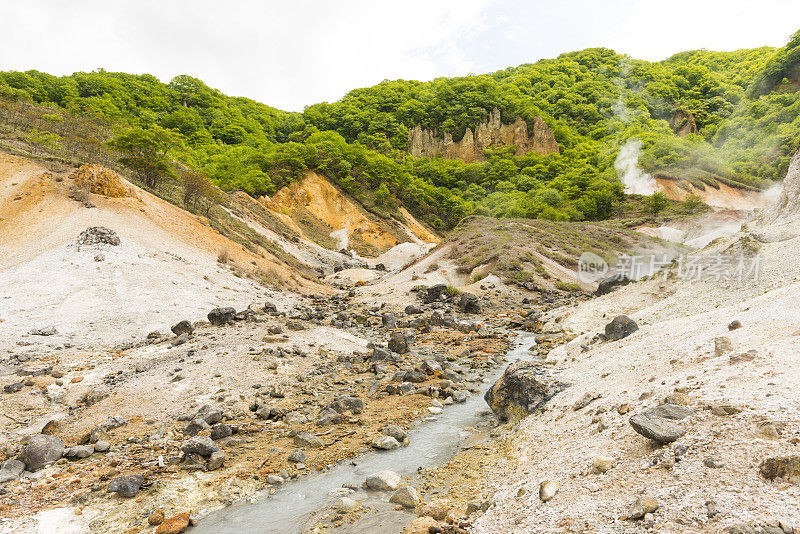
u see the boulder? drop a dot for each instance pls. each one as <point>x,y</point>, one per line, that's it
<point>401,341</point>
<point>41,450</point>
<point>659,423</point>
<point>622,326</point>
<point>524,388</point>
<point>216,460</point>
<point>125,485</point>
<point>221,316</point>
<point>469,303</point>
<point>202,445</point>
<point>221,430</point>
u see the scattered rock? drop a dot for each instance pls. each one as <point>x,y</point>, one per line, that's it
<point>216,460</point>
<point>469,303</point>
<point>11,470</point>
<point>125,485</point>
<point>602,464</point>
<point>422,525</point>
<point>221,430</point>
<point>437,509</point>
<point>642,506</point>
<point>202,445</point>
<point>297,456</point>
<point>405,496</point>
<point>383,481</point>
<point>394,431</point>
<point>524,388</point>
<point>385,443</point>
<point>48,331</point>
<point>183,327</point>
<point>607,285</point>
<point>79,452</point>
<point>622,326</point>
<point>734,325</point>
<point>347,505</point>
<point>101,446</point>
<point>310,441</point>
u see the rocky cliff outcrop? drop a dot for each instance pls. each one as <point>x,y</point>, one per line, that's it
<point>683,123</point>
<point>492,133</point>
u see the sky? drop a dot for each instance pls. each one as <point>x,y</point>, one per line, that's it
<point>291,54</point>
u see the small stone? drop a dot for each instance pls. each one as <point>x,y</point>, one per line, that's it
<point>101,446</point>
<point>405,496</point>
<point>421,525</point>
<point>394,431</point>
<point>78,452</point>
<point>734,325</point>
<point>621,327</point>
<point>183,327</point>
<point>547,490</point>
<point>221,430</point>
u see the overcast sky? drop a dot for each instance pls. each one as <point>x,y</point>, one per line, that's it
<point>293,53</point>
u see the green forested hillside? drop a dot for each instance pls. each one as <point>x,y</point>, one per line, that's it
<point>744,103</point>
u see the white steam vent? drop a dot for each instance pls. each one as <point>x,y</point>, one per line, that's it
<point>342,237</point>
<point>636,181</point>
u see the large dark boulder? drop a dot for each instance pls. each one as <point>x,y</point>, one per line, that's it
<point>435,293</point>
<point>607,285</point>
<point>221,316</point>
<point>469,303</point>
<point>41,450</point>
<point>622,326</point>
<point>524,388</point>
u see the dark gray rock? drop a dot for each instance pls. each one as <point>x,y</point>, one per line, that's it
<point>183,327</point>
<point>221,316</point>
<point>469,303</point>
<point>389,320</point>
<point>125,485</point>
<point>221,430</point>
<point>435,292</point>
<point>413,309</point>
<point>297,456</point>
<point>524,388</point>
<point>622,326</point>
<point>41,450</point>
<point>607,285</point>
<point>209,414</point>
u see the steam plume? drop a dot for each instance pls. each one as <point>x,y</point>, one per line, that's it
<point>636,181</point>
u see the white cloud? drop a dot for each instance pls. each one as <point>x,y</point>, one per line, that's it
<point>291,54</point>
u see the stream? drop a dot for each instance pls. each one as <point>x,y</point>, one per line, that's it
<point>431,444</point>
